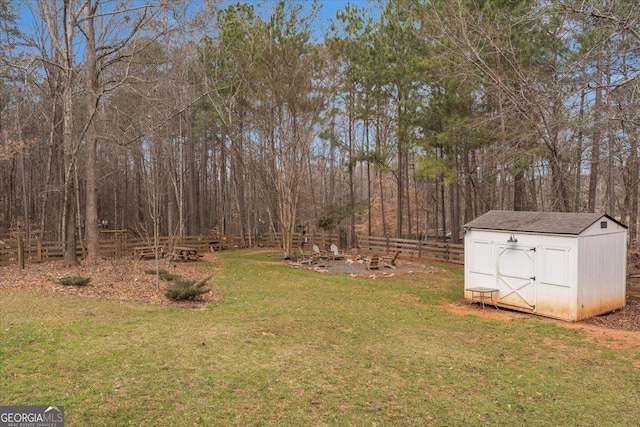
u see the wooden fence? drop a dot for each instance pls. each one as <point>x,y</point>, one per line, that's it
<point>119,245</point>
<point>435,251</point>
<point>321,239</point>
<point>115,247</point>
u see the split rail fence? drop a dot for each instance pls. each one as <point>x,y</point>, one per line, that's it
<point>111,247</point>
<point>116,245</point>
<point>430,250</point>
<point>434,251</point>
<point>321,239</point>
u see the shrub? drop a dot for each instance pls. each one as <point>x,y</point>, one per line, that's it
<point>74,280</point>
<point>169,277</point>
<point>164,274</point>
<point>184,289</point>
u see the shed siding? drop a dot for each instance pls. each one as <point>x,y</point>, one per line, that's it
<point>479,259</point>
<point>610,227</point>
<point>567,266</point>
<point>601,274</point>
<point>557,279</point>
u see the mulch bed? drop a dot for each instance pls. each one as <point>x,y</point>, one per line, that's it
<point>121,279</point>
<point>627,318</point>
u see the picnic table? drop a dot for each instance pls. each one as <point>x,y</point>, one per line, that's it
<point>181,253</point>
<point>147,252</point>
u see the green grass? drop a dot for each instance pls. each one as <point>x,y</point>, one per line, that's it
<point>290,347</point>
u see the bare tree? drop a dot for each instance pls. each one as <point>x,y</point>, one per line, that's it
<point>289,113</point>
<point>60,25</point>
<point>121,26</point>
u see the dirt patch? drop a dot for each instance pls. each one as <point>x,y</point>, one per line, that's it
<point>619,329</point>
<point>121,279</point>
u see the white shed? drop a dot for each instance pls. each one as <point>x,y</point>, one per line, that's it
<point>568,266</point>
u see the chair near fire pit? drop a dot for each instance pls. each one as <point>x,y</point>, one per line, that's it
<point>390,261</point>
<point>373,263</point>
<point>321,255</point>
<point>336,254</point>
<point>306,257</point>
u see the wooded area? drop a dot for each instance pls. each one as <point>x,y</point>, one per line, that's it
<point>398,118</point>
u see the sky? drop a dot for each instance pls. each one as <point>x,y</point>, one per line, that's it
<point>330,7</point>
<point>327,12</point>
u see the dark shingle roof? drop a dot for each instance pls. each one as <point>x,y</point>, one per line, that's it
<point>537,222</point>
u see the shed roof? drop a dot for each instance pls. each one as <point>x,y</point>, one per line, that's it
<point>537,222</point>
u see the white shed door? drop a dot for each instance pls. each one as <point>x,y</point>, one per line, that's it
<point>516,276</point>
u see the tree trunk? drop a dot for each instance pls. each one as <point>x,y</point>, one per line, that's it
<point>191,181</point>
<point>611,191</point>
<point>352,204</point>
<point>70,256</point>
<point>25,199</point>
<point>578,184</point>
<point>635,176</point>
<point>224,198</point>
<point>239,171</point>
<point>443,214</point>
<point>558,181</point>
<point>138,185</point>
<point>91,137</point>
<point>45,194</point>
<point>595,146</point>
<point>468,187</point>
<point>454,208</point>
<point>383,216</point>
<point>204,205</point>
<point>365,132</point>
<point>520,191</point>
<point>400,167</point>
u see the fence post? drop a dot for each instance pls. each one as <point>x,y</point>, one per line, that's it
<point>20,250</point>
<point>39,250</point>
<point>118,246</point>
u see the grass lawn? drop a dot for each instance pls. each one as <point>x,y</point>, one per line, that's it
<point>297,348</point>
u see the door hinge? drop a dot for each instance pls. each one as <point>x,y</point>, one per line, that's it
<point>533,278</point>
<point>533,249</point>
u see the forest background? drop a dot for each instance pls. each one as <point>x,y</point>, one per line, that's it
<point>400,118</point>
